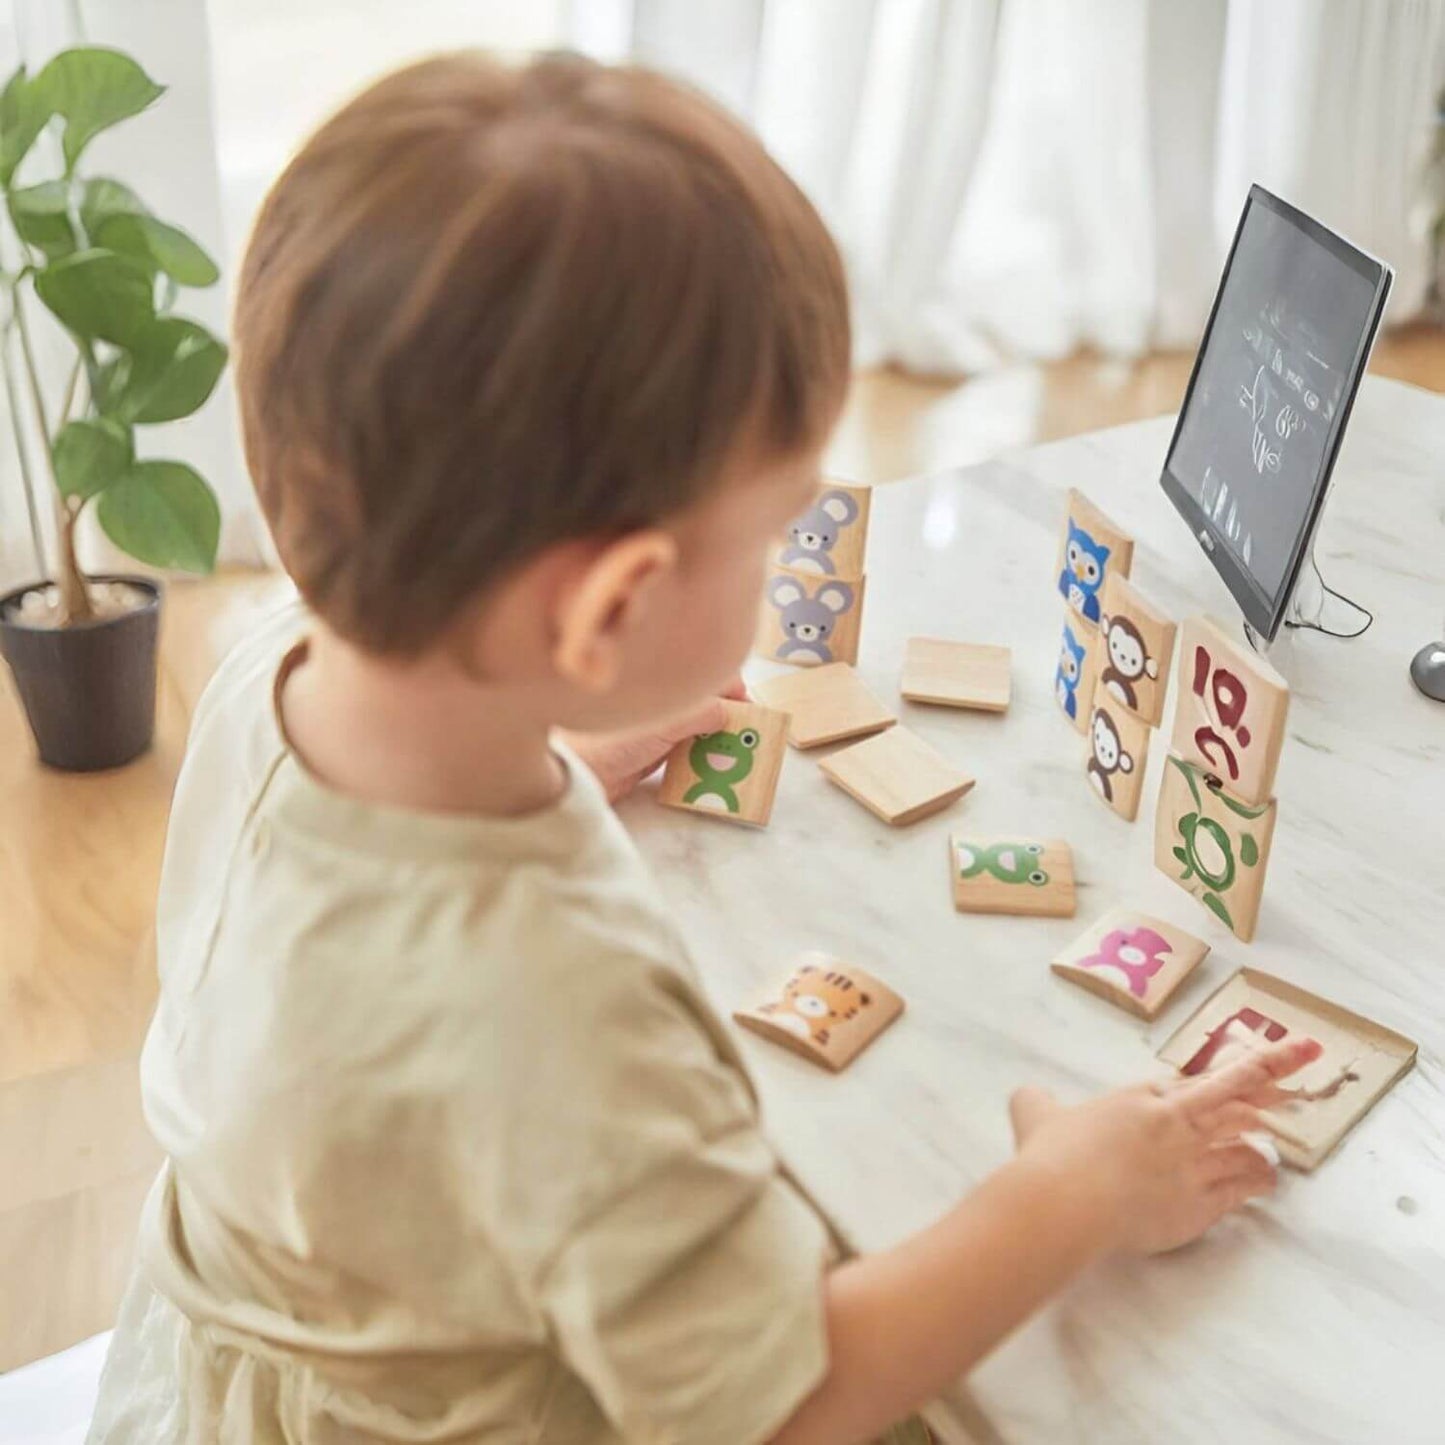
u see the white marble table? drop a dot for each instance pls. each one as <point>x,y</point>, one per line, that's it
<point>1319,1317</point>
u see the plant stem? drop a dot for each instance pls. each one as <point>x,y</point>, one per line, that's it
<point>22,456</point>
<point>74,598</point>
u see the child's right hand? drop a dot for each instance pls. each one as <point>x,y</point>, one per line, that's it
<point>1160,1163</point>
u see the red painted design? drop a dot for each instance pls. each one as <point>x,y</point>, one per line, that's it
<point>1229,697</point>
<point>1252,1019</point>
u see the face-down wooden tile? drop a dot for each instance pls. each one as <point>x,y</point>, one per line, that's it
<point>824,704</point>
<point>897,776</point>
<point>956,674</point>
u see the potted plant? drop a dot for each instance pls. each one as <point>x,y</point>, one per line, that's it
<point>86,248</point>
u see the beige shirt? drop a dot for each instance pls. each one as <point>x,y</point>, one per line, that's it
<point>457,1150</point>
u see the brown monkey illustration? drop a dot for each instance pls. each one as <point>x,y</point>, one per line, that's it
<point>1128,658</point>
<point>1106,754</point>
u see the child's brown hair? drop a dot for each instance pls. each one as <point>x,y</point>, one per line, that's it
<point>487,308</point>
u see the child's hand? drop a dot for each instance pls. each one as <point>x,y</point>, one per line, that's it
<point>622,760</point>
<point>1161,1163</point>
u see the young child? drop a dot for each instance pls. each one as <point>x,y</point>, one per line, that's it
<point>534,363</point>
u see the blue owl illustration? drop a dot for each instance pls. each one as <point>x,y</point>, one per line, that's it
<point>1083,572</point>
<point>1071,668</point>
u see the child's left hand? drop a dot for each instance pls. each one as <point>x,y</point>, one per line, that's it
<point>622,760</point>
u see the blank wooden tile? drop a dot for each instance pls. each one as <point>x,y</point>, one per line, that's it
<point>824,705</point>
<point>825,1010</point>
<point>831,536</point>
<point>1115,755</point>
<point>1010,874</point>
<point>732,773</point>
<point>809,620</point>
<point>1077,671</point>
<point>1091,548</point>
<point>1213,845</point>
<point>897,776</point>
<point>1361,1060</point>
<point>1231,711</point>
<point>1136,647</point>
<point>956,674</point>
<point>1132,959</point>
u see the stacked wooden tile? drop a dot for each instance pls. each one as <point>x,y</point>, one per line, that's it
<point>813,603</point>
<point>1217,808</point>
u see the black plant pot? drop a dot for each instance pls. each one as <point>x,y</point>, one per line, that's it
<point>88,690</point>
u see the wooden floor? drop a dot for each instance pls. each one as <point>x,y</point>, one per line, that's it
<point>79,856</point>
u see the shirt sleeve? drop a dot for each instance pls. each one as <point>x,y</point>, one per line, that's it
<point>692,1305</point>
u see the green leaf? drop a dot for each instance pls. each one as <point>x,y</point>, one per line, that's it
<point>100,296</point>
<point>169,374</point>
<point>23,114</point>
<point>90,455</point>
<point>1216,905</point>
<point>42,219</point>
<point>1248,850</point>
<point>162,513</point>
<point>157,245</point>
<point>93,89</point>
<point>101,197</point>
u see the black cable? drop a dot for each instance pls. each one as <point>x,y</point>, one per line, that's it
<point>1339,597</point>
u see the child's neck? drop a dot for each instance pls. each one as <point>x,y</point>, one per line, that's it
<point>413,735</point>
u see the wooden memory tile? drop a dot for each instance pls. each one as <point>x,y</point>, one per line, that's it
<point>1118,749</point>
<point>956,674</point>
<point>1213,845</point>
<point>831,536</point>
<point>825,705</point>
<point>826,1010</point>
<point>1091,549</point>
<point>1132,959</point>
<point>732,773</point>
<point>1135,650</point>
<point>809,620</point>
<point>1361,1060</point>
<point>1076,674</point>
<point>897,775</point>
<point>1011,874</point>
<point>1230,712</point>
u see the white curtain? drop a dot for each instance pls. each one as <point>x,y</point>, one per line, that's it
<point>1021,177</point>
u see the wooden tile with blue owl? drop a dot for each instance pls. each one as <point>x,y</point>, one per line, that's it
<point>1131,959</point>
<point>1212,844</point>
<point>1092,549</point>
<point>733,773</point>
<point>1077,669</point>
<point>826,1010</point>
<point>831,536</point>
<point>1012,874</point>
<point>810,620</point>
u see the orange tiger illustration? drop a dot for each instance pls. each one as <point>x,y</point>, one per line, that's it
<point>815,1001</point>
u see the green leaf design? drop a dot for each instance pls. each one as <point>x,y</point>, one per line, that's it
<point>90,455</point>
<point>168,375</point>
<point>1241,810</point>
<point>93,89</point>
<point>41,218</point>
<point>162,513</point>
<point>1248,850</point>
<point>158,246</point>
<point>99,296</point>
<point>1188,778</point>
<point>23,113</point>
<point>1183,857</point>
<point>101,197</point>
<point>1216,905</point>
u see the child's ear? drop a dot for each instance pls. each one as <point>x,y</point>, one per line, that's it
<point>603,603</point>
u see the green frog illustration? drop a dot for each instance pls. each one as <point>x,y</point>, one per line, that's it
<point>721,761</point>
<point>1008,862</point>
<point>1205,849</point>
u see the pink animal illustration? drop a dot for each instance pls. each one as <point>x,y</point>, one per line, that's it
<point>1135,954</point>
